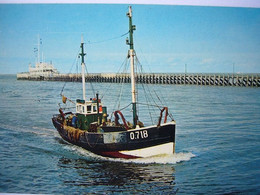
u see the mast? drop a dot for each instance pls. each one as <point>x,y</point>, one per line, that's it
<point>38,53</point>
<point>82,54</point>
<point>131,54</point>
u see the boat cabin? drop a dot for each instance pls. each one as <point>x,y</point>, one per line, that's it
<point>90,114</point>
<point>88,107</point>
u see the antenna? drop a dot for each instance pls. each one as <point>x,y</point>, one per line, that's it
<point>82,38</point>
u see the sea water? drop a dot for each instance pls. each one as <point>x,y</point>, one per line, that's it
<point>217,142</point>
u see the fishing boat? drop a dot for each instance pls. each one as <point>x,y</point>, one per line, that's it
<point>90,128</point>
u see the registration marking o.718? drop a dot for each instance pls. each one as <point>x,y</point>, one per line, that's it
<point>142,134</point>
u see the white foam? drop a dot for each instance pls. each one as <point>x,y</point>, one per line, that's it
<point>159,159</point>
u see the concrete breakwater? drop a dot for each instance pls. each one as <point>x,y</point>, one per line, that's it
<point>217,79</point>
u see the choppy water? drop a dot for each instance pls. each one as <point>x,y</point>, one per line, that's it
<point>217,144</point>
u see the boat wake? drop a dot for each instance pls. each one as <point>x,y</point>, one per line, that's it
<point>166,159</point>
<point>33,130</point>
<point>158,159</point>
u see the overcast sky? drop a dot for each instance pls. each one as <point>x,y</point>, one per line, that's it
<point>206,38</point>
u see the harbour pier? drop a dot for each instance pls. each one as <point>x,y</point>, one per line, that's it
<point>206,79</point>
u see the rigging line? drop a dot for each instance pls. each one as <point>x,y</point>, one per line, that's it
<point>160,107</point>
<point>141,51</point>
<point>75,62</point>
<point>122,84</point>
<point>67,108</point>
<point>141,70</point>
<point>77,67</point>
<point>119,97</point>
<point>161,101</point>
<point>91,85</point>
<point>147,98</point>
<point>111,82</point>
<point>112,113</point>
<point>149,70</point>
<point>106,40</point>
<point>125,107</point>
<point>170,115</point>
<point>136,89</point>
<point>158,97</point>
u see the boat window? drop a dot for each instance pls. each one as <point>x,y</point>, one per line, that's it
<point>83,109</point>
<point>94,109</point>
<point>80,109</point>
<point>88,109</point>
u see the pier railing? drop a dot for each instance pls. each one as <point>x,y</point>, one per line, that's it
<point>209,79</point>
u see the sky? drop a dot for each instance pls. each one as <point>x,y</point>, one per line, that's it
<point>207,39</point>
